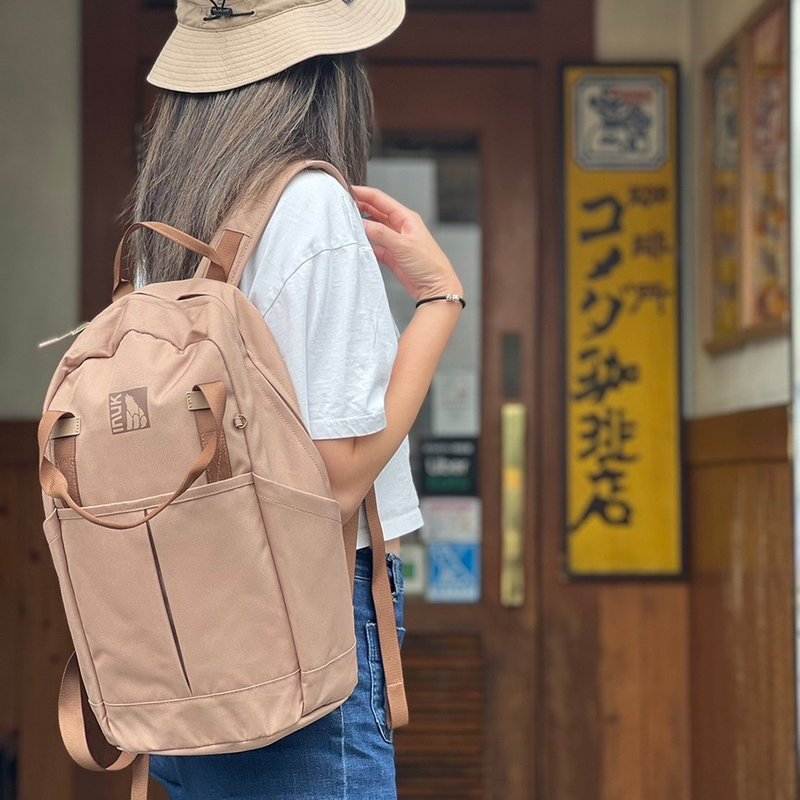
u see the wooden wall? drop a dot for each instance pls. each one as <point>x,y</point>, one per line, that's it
<point>615,716</point>
<point>684,690</point>
<point>739,483</point>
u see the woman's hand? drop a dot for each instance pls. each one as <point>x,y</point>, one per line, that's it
<point>402,242</point>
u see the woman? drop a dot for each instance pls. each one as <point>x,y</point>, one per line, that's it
<point>250,88</point>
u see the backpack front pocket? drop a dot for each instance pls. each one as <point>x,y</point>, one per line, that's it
<point>119,620</point>
<point>188,604</point>
<point>222,588</point>
<point>305,535</point>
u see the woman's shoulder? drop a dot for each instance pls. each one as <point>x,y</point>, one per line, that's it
<point>315,223</point>
<point>316,191</point>
<point>317,184</point>
<point>317,213</point>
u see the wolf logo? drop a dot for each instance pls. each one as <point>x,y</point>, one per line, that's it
<point>128,410</point>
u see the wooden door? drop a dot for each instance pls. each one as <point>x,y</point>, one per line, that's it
<point>458,143</point>
<point>471,666</point>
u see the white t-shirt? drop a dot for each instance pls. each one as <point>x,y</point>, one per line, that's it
<point>315,279</point>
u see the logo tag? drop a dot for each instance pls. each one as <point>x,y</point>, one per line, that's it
<point>128,410</point>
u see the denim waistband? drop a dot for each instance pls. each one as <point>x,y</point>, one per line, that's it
<point>364,566</point>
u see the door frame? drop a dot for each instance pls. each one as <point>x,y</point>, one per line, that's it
<point>484,101</point>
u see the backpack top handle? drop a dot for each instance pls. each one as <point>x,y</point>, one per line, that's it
<point>55,484</point>
<point>122,277</point>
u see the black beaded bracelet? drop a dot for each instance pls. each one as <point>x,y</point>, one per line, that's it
<point>450,298</point>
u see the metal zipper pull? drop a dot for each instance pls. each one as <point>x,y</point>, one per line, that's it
<point>73,332</point>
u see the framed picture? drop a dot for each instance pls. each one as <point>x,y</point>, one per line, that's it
<point>746,239</point>
<point>765,279</point>
<point>725,159</point>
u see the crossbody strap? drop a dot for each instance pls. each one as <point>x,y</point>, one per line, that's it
<point>240,232</point>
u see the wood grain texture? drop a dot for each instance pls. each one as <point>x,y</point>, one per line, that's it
<point>440,754</point>
<point>742,608</point>
<point>745,437</point>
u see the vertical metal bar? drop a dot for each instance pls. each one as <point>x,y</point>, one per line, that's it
<point>514,434</point>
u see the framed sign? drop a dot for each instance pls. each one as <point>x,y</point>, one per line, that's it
<point>746,201</point>
<point>623,498</point>
<point>725,244</point>
<point>765,281</point>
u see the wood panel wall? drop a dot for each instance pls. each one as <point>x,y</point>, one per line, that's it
<point>739,482</point>
<point>684,690</point>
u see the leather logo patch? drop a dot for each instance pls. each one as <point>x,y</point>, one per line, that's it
<point>128,410</point>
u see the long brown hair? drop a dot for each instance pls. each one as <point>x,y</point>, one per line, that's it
<point>203,153</point>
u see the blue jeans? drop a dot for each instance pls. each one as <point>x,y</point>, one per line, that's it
<point>346,755</point>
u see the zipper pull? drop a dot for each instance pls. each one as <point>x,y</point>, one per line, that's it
<point>63,336</point>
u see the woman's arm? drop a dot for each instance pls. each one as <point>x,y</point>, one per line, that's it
<point>353,464</point>
<point>402,242</point>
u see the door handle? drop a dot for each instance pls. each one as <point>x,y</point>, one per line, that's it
<point>514,422</point>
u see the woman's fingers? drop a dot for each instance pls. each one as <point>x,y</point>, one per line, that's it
<point>366,208</point>
<point>377,198</point>
<point>404,244</point>
<point>381,235</point>
<point>396,214</point>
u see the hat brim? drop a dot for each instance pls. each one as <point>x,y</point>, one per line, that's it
<point>213,60</point>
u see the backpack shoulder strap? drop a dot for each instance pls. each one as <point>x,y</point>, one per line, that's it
<point>234,242</point>
<point>396,703</point>
<point>84,740</point>
<point>238,235</point>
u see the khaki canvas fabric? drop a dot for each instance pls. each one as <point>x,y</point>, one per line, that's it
<point>243,41</point>
<point>204,568</point>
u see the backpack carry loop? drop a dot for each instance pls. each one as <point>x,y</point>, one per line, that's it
<point>122,282</point>
<point>56,484</point>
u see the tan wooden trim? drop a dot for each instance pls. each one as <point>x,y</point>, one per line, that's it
<point>758,435</point>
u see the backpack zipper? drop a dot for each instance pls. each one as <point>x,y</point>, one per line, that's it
<point>56,339</point>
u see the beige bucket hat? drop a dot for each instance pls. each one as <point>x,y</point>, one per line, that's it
<point>222,44</point>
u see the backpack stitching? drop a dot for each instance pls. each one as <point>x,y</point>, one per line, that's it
<point>297,508</point>
<point>231,691</point>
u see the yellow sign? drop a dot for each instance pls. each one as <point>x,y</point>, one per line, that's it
<point>622,371</point>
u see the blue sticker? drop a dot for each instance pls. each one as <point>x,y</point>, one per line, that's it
<point>454,573</point>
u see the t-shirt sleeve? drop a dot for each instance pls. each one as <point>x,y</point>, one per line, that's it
<point>332,321</point>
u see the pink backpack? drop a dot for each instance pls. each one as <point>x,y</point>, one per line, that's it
<point>205,573</point>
